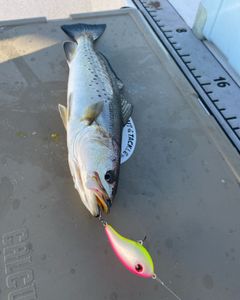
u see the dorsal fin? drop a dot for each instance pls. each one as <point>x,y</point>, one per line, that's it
<point>126,108</point>
<point>107,63</point>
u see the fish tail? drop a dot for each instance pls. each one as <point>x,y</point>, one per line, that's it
<point>75,31</point>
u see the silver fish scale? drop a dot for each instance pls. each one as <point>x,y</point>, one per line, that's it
<point>100,81</point>
<point>94,67</point>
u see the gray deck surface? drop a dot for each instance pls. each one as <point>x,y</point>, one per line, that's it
<point>180,188</point>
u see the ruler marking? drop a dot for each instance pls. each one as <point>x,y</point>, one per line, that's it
<point>231,118</point>
<point>184,39</point>
<point>205,83</point>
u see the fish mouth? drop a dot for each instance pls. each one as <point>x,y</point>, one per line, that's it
<point>103,200</point>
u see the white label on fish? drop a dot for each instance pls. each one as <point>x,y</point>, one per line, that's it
<point>129,139</point>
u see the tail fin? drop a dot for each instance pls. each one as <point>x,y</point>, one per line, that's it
<point>74,31</point>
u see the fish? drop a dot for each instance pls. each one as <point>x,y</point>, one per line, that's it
<point>94,117</point>
<point>133,255</point>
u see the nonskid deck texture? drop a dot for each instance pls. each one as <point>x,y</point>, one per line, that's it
<point>180,187</point>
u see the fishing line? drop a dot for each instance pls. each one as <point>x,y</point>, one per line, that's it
<point>155,277</point>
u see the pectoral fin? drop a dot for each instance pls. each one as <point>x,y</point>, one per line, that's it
<point>63,113</point>
<point>92,112</point>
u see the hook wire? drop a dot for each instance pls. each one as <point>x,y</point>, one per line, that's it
<point>100,218</point>
<point>141,242</point>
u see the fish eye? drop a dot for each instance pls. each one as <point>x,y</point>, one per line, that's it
<point>139,268</point>
<point>109,176</point>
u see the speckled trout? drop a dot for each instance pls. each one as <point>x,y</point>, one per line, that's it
<point>94,117</point>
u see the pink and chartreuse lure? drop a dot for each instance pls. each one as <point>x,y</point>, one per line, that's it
<point>132,254</point>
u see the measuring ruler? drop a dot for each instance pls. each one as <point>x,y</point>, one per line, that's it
<point>216,88</point>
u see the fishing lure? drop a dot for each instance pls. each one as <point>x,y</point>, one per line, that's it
<point>133,255</point>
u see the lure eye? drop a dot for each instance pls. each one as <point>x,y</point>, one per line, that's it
<point>139,268</point>
<point>109,176</point>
